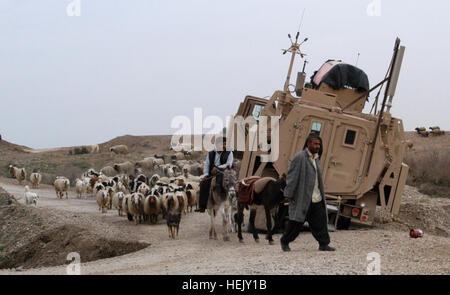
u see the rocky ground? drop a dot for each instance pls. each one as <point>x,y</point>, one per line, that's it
<point>45,235</point>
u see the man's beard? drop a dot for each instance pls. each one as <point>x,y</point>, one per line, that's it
<point>314,151</point>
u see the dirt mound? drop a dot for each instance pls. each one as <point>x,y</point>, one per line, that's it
<point>34,237</point>
<point>432,215</point>
<point>51,247</point>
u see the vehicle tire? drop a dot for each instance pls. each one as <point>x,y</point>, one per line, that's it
<point>343,223</point>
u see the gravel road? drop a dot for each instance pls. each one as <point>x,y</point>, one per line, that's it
<point>195,253</point>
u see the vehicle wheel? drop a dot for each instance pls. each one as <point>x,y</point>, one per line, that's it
<point>343,223</point>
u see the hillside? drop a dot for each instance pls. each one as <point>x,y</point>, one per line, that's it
<point>57,161</point>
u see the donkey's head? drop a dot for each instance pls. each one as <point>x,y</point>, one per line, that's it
<point>275,189</point>
<point>229,179</point>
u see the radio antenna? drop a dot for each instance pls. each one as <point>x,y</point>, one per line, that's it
<point>301,20</point>
<point>294,49</point>
<point>357,59</point>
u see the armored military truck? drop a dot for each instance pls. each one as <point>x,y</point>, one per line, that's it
<point>362,153</point>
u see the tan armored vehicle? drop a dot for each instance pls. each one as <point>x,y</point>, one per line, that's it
<point>362,156</point>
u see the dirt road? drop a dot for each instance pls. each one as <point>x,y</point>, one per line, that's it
<point>195,253</point>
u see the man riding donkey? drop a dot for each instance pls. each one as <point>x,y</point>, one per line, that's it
<point>216,161</point>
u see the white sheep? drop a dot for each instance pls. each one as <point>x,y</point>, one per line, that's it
<point>153,180</point>
<point>188,176</point>
<point>146,164</point>
<point>125,201</point>
<point>143,189</point>
<point>111,193</point>
<point>35,179</point>
<point>170,171</point>
<point>117,201</point>
<point>108,171</point>
<point>158,161</point>
<point>61,185</point>
<point>102,200</point>
<point>163,180</point>
<point>87,185</point>
<point>120,187</point>
<point>30,197</point>
<point>18,173</point>
<point>80,187</point>
<point>182,201</point>
<point>179,156</point>
<point>152,207</point>
<point>136,207</point>
<point>119,149</point>
<point>193,186</point>
<point>98,186</point>
<point>124,168</point>
<point>90,173</point>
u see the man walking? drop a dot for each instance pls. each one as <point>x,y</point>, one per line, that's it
<point>216,160</point>
<point>304,189</point>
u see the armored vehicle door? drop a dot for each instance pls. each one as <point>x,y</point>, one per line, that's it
<point>345,157</point>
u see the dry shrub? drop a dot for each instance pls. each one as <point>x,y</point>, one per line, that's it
<point>48,178</point>
<point>429,170</point>
<point>435,190</point>
<point>70,172</point>
<point>429,166</point>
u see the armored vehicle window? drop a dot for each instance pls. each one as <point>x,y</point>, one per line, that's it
<point>316,127</point>
<point>257,111</point>
<point>350,137</point>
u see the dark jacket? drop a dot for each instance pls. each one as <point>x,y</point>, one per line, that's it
<point>300,181</point>
<point>212,156</point>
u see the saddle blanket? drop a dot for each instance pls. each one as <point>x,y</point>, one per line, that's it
<point>248,186</point>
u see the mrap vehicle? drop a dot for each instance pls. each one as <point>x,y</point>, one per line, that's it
<point>362,153</point>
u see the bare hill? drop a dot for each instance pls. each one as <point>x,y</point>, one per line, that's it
<point>421,143</point>
<point>428,160</point>
<point>8,146</point>
<point>53,162</point>
<point>155,143</point>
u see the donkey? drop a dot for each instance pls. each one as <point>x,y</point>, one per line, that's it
<point>218,201</point>
<point>269,197</point>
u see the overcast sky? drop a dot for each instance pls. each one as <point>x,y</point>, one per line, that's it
<point>128,67</point>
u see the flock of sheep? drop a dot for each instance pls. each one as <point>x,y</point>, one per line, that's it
<point>143,190</point>
<point>435,130</point>
<point>170,191</point>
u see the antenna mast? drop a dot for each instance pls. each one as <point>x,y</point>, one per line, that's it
<point>294,49</point>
